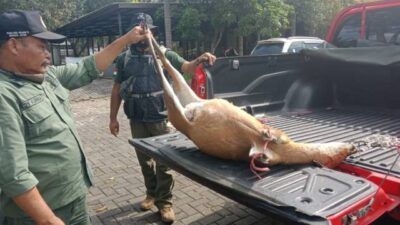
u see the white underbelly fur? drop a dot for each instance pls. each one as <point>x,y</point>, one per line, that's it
<point>191,108</point>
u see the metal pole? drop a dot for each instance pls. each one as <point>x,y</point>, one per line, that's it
<point>88,45</point>
<point>92,44</point>
<point>167,24</point>
<point>66,47</point>
<point>120,24</point>
<point>98,43</point>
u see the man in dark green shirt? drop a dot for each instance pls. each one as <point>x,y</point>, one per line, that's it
<point>138,84</point>
<point>44,174</point>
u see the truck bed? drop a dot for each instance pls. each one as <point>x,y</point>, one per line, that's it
<point>300,193</point>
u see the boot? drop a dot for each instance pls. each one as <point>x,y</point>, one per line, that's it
<point>147,204</point>
<point>167,215</point>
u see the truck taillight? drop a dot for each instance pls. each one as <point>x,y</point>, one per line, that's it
<point>199,84</point>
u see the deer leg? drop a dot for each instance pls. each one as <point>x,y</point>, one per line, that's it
<point>181,88</point>
<point>176,114</point>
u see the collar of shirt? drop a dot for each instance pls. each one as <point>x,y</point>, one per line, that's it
<point>36,78</point>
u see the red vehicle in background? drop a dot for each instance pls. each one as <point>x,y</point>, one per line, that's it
<point>368,24</point>
<point>361,25</point>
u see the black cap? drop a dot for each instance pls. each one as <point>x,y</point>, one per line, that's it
<point>142,17</point>
<point>21,23</point>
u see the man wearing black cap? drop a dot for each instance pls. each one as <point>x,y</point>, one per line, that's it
<point>44,173</point>
<point>138,84</point>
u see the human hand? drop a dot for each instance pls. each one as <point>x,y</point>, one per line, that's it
<point>114,127</point>
<point>52,221</point>
<point>137,34</point>
<point>206,57</point>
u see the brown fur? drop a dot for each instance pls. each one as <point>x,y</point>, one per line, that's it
<point>223,130</point>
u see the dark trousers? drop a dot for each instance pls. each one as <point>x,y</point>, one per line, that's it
<point>157,177</point>
<point>75,213</point>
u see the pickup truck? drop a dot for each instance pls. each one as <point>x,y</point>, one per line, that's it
<point>343,94</point>
<point>348,95</point>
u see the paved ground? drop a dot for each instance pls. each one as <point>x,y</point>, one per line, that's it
<point>119,183</point>
<point>99,88</point>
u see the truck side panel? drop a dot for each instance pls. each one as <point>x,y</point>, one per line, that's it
<point>251,81</point>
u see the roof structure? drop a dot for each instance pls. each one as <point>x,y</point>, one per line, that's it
<point>113,19</point>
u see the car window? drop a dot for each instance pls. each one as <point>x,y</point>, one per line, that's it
<point>296,47</point>
<point>318,45</point>
<point>313,45</point>
<point>348,32</point>
<point>383,25</point>
<point>268,49</point>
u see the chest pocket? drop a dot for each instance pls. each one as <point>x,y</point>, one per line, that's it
<point>62,95</point>
<point>41,121</point>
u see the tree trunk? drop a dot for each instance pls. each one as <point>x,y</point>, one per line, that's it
<point>294,23</point>
<point>216,40</point>
<point>240,45</point>
<point>79,46</point>
<point>73,46</point>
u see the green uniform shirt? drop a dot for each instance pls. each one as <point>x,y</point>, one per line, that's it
<point>39,144</point>
<point>175,59</point>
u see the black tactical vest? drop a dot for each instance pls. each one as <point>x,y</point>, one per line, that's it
<point>142,70</point>
<point>142,90</point>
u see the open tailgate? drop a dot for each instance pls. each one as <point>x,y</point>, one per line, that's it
<point>300,193</point>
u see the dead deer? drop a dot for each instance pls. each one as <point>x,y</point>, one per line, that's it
<point>225,131</point>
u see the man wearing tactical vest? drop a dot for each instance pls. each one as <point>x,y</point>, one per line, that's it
<point>138,84</point>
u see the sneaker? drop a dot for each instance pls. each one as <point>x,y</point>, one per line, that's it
<point>147,204</point>
<point>167,215</point>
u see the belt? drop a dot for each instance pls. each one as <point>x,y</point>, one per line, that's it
<point>146,95</point>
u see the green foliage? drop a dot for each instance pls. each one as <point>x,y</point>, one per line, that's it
<point>54,12</point>
<point>189,25</point>
<point>207,21</point>
<point>236,17</point>
<point>91,5</point>
<point>275,19</point>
